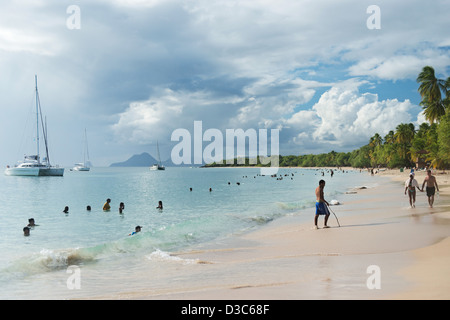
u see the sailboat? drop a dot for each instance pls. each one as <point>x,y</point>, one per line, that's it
<point>32,164</point>
<point>158,166</point>
<point>84,166</point>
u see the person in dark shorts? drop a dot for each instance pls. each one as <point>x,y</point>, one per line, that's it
<point>321,205</point>
<point>431,188</point>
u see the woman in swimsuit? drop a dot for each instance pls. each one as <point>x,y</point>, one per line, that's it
<point>410,186</point>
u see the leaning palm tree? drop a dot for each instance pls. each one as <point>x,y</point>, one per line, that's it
<point>430,91</point>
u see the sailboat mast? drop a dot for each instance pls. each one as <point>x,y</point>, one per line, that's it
<point>86,149</point>
<point>159,157</point>
<point>37,119</point>
<point>44,125</point>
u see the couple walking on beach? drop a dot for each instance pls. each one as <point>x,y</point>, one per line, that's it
<point>411,184</point>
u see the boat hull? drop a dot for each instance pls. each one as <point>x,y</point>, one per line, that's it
<point>32,172</point>
<point>81,169</point>
<point>35,172</point>
<point>51,172</point>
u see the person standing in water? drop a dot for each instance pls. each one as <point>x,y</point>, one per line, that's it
<point>432,186</point>
<point>106,206</point>
<point>410,185</point>
<point>321,205</point>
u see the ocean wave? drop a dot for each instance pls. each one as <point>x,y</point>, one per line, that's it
<point>159,255</point>
<point>298,205</point>
<point>261,219</point>
<point>48,260</point>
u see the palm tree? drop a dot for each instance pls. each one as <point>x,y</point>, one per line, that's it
<point>430,91</point>
<point>389,138</point>
<point>404,133</point>
<point>403,136</point>
<point>447,94</point>
<point>376,140</point>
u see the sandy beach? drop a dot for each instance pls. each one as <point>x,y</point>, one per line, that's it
<point>383,250</point>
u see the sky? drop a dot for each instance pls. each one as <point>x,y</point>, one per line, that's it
<point>131,72</point>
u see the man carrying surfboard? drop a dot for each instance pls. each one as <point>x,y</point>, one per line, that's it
<point>321,205</point>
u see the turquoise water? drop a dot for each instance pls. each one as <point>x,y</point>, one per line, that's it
<point>99,242</point>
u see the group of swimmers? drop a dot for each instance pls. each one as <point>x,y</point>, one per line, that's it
<point>106,207</point>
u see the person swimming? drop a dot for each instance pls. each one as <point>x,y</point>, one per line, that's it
<point>160,205</point>
<point>26,231</point>
<point>66,209</point>
<point>31,223</point>
<point>136,230</point>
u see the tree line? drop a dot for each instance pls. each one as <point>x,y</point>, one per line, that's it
<point>406,146</point>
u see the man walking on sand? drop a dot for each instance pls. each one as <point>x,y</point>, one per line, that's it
<point>431,187</point>
<point>321,208</point>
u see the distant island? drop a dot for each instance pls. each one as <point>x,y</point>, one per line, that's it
<point>143,160</point>
<point>138,160</point>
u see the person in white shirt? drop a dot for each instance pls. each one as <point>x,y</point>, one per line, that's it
<point>410,185</point>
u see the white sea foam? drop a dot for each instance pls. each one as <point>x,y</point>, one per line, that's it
<point>159,255</point>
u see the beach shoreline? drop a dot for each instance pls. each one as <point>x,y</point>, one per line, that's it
<point>287,260</point>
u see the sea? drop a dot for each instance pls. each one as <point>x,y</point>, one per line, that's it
<point>93,254</point>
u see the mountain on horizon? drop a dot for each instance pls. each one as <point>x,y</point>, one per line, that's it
<point>138,160</point>
<point>146,160</point>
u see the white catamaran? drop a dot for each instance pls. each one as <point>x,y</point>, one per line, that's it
<point>158,166</point>
<point>32,164</point>
<point>84,166</point>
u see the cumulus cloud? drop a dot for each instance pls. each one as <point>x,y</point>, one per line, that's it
<point>143,120</point>
<point>344,118</point>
